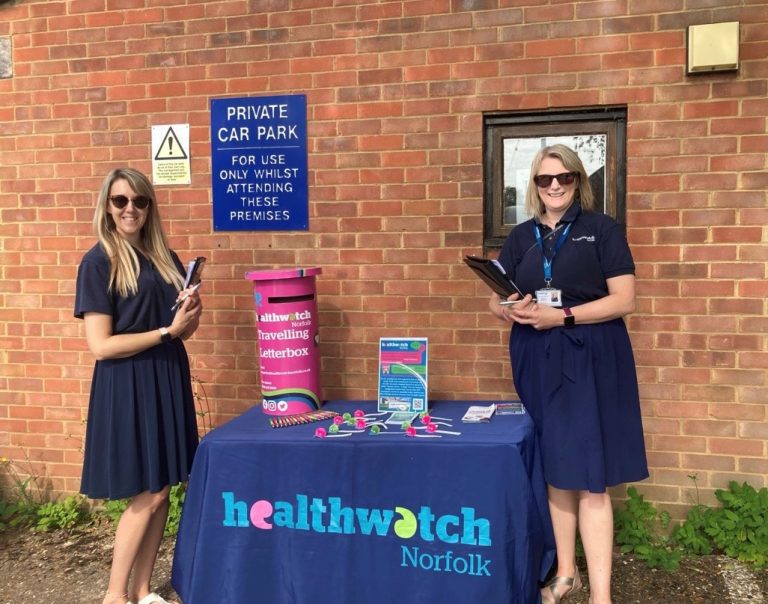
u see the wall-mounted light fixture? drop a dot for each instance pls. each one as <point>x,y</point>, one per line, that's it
<point>713,47</point>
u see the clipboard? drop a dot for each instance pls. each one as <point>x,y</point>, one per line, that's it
<point>494,276</point>
<point>193,278</point>
<point>194,272</point>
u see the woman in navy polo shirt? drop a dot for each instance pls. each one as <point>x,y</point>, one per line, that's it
<point>572,360</point>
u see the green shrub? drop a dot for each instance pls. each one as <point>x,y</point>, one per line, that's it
<point>739,528</point>
<point>25,505</point>
<point>114,509</point>
<point>15,514</point>
<point>641,530</point>
<point>177,496</point>
<point>65,514</point>
<point>690,534</point>
<point>19,508</point>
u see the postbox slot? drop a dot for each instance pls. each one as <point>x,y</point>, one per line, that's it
<point>285,299</point>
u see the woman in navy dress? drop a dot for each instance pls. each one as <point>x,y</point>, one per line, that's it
<point>141,433</point>
<point>572,360</point>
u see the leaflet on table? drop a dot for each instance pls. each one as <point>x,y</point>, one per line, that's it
<point>398,418</point>
<point>479,413</point>
<point>510,408</point>
<point>403,375</point>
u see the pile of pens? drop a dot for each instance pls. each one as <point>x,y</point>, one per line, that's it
<point>300,418</point>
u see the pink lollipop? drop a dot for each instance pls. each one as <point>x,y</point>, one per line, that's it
<point>359,413</point>
<point>338,420</point>
<point>360,423</point>
<point>431,427</point>
<point>425,419</point>
<point>321,433</point>
<point>411,431</point>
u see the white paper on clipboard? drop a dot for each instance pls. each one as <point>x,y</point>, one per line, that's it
<point>194,271</point>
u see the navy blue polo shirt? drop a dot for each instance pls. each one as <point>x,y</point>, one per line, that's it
<point>594,250</point>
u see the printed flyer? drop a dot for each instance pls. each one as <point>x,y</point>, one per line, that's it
<point>403,375</point>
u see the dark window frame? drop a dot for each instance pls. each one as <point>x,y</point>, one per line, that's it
<point>500,126</point>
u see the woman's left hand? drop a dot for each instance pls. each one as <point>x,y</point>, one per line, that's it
<point>538,316</point>
<point>192,295</point>
<point>187,317</point>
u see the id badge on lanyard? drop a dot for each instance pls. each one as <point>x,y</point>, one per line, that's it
<point>550,295</point>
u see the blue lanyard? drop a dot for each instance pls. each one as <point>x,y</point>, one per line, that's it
<point>558,244</point>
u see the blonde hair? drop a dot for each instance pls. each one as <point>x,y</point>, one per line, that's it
<point>533,204</point>
<point>123,257</point>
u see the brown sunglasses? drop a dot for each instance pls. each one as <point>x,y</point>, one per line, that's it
<point>544,180</point>
<point>140,202</point>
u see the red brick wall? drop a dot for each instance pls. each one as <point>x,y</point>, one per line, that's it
<point>396,93</point>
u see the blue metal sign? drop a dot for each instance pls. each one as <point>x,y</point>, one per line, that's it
<point>259,163</point>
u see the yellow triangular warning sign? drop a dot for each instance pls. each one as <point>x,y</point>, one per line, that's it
<point>171,148</point>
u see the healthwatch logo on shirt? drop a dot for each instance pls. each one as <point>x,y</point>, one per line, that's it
<point>331,516</point>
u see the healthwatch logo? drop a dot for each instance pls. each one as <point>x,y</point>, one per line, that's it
<point>275,317</point>
<point>331,516</point>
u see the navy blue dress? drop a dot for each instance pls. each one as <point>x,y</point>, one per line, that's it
<point>142,429</point>
<point>579,384</point>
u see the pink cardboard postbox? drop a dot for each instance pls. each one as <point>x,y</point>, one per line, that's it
<point>289,359</point>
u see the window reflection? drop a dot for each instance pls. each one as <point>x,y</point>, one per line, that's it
<point>519,153</point>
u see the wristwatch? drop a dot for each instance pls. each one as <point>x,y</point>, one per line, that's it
<point>568,320</point>
<point>165,335</point>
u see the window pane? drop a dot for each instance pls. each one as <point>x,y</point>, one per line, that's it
<point>518,154</point>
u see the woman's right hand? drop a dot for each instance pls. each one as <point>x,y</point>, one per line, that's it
<point>499,310</point>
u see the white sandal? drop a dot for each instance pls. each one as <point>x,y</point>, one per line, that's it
<point>153,598</point>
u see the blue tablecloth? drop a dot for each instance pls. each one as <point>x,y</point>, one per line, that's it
<point>278,516</point>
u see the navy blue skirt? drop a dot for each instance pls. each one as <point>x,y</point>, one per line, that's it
<point>142,430</point>
<point>580,387</point>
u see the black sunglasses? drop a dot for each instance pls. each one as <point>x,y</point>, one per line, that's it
<point>120,201</point>
<point>544,180</point>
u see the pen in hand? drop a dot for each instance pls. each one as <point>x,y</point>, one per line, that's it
<point>180,302</point>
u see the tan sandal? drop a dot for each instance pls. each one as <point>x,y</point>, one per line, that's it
<point>552,592</point>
